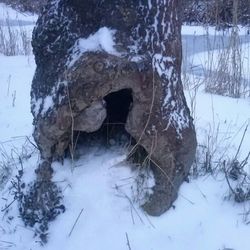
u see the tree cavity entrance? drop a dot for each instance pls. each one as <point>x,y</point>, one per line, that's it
<point>118,105</point>
<point>112,132</point>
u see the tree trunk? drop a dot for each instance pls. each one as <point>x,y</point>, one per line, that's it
<point>86,50</point>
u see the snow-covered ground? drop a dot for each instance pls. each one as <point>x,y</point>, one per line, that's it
<point>102,186</point>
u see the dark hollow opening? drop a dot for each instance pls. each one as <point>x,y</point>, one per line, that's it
<point>118,105</point>
<point>112,132</point>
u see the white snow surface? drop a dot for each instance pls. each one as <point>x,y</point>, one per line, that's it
<point>15,81</point>
<point>102,40</point>
<point>102,183</point>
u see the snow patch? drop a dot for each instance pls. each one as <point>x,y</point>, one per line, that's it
<point>161,65</point>
<point>47,104</point>
<point>37,105</point>
<point>149,4</point>
<point>102,40</point>
<point>177,117</point>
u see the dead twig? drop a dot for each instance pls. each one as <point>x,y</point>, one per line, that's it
<point>124,195</point>
<point>4,209</point>
<point>8,242</point>
<point>33,144</point>
<point>228,182</point>
<point>171,183</point>
<point>72,147</point>
<point>128,243</point>
<point>78,217</point>
<point>242,139</point>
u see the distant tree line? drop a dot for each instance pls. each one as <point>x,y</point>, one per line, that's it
<point>212,12</point>
<point>216,12</point>
<point>33,6</point>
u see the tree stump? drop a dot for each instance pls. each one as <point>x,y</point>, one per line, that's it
<point>87,50</point>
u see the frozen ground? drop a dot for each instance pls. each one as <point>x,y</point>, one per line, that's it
<point>102,185</point>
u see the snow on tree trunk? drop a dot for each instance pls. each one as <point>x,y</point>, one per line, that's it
<point>86,50</point>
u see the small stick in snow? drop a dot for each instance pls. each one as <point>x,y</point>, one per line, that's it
<point>8,242</point>
<point>124,195</point>
<point>78,217</point>
<point>228,182</point>
<point>33,144</point>
<point>132,216</point>
<point>128,243</point>
<point>242,139</point>
<point>150,222</point>
<point>7,206</point>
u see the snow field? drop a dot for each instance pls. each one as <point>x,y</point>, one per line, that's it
<point>102,183</point>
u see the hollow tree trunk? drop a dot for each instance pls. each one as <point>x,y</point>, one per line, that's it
<point>84,51</point>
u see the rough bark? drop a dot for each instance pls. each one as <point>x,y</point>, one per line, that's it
<point>147,60</point>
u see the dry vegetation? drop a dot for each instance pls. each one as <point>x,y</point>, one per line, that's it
<point>14,40</point>
<point>216,12</point>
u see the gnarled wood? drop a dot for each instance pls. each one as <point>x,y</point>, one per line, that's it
<point>72,80</point>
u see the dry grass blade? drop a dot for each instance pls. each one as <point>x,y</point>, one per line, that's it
<point>78,217</point>
<point>14,39</point>
<point>128,243</point>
